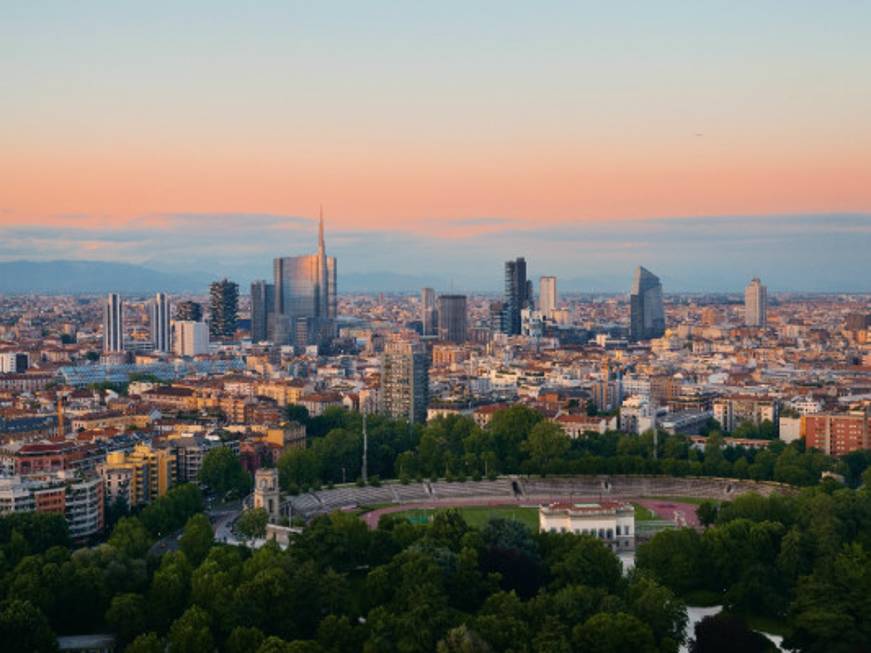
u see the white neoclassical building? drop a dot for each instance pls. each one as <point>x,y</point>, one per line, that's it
<point>611,521</point>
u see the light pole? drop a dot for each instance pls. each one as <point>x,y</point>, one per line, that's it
<point>365,471</point>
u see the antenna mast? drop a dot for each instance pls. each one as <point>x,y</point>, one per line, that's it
<point>365,471</point>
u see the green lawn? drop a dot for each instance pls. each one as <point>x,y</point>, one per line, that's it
<point>644,514</point>
<point>478,516</point>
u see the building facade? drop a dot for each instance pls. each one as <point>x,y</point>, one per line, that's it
<point>428,312</point>
<point>517,295</point>
<point>646,311</point>
<point>610,521</point>
<point>547,297</point>
<point>452,325</point>
<point>223,308</point>
<point>755,304</point>
<point>188,311</point>
<point>113,324</point>
<point>837,434</point>
<point>191,338</point>
<point>262,307</point>
<point>161,333</point>
<point>405,381</point>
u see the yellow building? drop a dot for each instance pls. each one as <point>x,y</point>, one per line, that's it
<point>283,393</point>
<point>140,476</point>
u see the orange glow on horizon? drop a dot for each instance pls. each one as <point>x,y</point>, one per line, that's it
<point>423,194</point>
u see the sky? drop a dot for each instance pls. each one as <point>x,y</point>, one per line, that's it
<point>438,136</point>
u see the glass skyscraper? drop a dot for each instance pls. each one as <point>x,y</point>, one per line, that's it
<point>518,294</point>
<point>305,296</point>
<point>646,313</point>
<point>262,306</point>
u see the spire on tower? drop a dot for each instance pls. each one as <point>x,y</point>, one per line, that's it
<point>321,229</point>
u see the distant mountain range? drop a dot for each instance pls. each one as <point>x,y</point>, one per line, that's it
<point>61,277</point>
<point>87,277</point>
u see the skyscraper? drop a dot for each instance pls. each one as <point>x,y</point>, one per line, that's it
<point>161,336</point>
<point>517,294</point>
<point>547,299</point>
<point>647,315</point>
<point>223,308</point>
<point>305,296</point>
<point>452,318</point>
<point>262,306</point>
<point>189,311</point>
<point>405,381</point>
<point>755,304</point>
<point>113,323</point>
<point>428,313</point>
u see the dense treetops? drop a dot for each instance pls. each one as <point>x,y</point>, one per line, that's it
<point>520,440</point>
<point>804,559</point>
<point>342,587</point>
<point>445,586</point>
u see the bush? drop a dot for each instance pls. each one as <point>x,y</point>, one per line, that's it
<point>375,480</point>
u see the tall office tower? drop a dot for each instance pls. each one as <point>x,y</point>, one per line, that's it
<point>428,312</point>
<point>223,308</point>
<point>189,311</point>
<point>857,321</point>
<point>262,305</point>
<point>646,313</point>
<point>517,296</point>
<point>452,318</point>
<point>405,380</point>
<point>496,318</point>
<point>190,338</point>
<point>161,336</point>
<point>113,323</point>
<point>547,296</point>
<point>755,304</point>
<point>305,296</point>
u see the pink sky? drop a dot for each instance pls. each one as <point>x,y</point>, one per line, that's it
<point>410,115</point>
<point>418,193</point>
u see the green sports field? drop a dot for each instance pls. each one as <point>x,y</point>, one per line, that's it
<point>478,516</point>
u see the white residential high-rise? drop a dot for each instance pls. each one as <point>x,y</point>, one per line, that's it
<point>191,338</point>
<point>161,336</point>
<point>113,324</point>
<point>547,298</point>
<point>755,304</point>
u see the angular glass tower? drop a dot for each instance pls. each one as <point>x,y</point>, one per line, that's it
<point>646,313</point>
<point>305,296</point>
